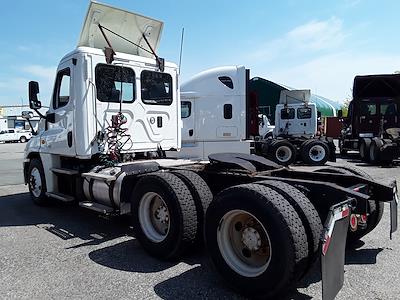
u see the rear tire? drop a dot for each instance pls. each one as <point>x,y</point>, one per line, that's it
<point>314,152</point>
<point>283,152</point>
<point>22,139</point>
<point>201,194</point>
<point>164,215</point>
<point>374,156</point>
<point>306,211</point>
<point>279,248</point>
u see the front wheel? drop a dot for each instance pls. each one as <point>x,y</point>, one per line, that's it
<point>22,139</point>
<point>37,182</point>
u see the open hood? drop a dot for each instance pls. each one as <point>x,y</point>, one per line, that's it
<point>129,25</point>
<point>295,96</point>
<point>370,86</point>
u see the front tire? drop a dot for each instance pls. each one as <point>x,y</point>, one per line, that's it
<point>37,182</point>
<point>22,139</point>
<point>259,246</point>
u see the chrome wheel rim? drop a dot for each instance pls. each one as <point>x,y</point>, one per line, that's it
<point>317,153</point>
<point>35,182</point>
<point>244,243</point>
<point>154,217</point>
<point>283,154</point>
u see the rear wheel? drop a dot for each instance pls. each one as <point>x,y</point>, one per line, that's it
<point>259,246</point>
<point>201,194</point>
<point>374,151</point>
<point>306,211</point>
<point>283,152</point>
<point>314,152</point>
<point>164,215</point>
<point>22,139</point>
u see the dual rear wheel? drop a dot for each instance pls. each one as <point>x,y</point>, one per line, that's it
<point>312,152</point>
<point>261,237</point>
<point>168,211</point>
<point>263,245</point>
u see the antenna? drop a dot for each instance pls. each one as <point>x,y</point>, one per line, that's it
<point>180,54</point>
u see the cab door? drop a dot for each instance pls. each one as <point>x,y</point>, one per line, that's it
<point>389,113</point>
<point>59,133</point>
<point>368,118</point>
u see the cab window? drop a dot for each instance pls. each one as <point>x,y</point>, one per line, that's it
<point>389,109</point>
<point>186,109</point>
<point>156,88</point>
<point>304,113</point>
<point>368,109</point>
<point>287,113</point>
<point>115,83</point>
<point>61,92</point>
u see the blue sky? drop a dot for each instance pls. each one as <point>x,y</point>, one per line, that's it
<point>319,45</point>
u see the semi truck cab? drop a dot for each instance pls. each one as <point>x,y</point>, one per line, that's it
<point>373,117</point>
<point>108,80</point>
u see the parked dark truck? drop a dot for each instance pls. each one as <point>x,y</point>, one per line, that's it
<point>372,126</point>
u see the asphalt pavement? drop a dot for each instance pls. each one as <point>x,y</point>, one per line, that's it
<point>63,251</point>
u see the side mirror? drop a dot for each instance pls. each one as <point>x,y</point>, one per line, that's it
<point>27,115</point>
<point>34,102</point>
<point>340,113</point>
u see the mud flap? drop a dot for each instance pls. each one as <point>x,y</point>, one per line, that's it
<point>333,244</point>
<point>393,210</point>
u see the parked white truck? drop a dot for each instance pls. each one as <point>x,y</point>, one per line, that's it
<point>218,113</point>
<point>14,135</point>
<point>116,108</point>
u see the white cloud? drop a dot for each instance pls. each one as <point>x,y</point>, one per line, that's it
<point>312,36</point>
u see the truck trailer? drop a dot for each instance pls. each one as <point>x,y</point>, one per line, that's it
<point>116,109</point>
<point>372,126</point>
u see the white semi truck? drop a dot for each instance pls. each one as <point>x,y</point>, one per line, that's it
<point>115,110</point>
<point>219,113</point>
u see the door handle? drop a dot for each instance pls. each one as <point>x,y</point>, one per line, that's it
<point>190,132</point>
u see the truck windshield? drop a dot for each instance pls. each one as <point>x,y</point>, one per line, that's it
<point>156,88</point>
<point>115,83</point>
<point>287,113</point>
